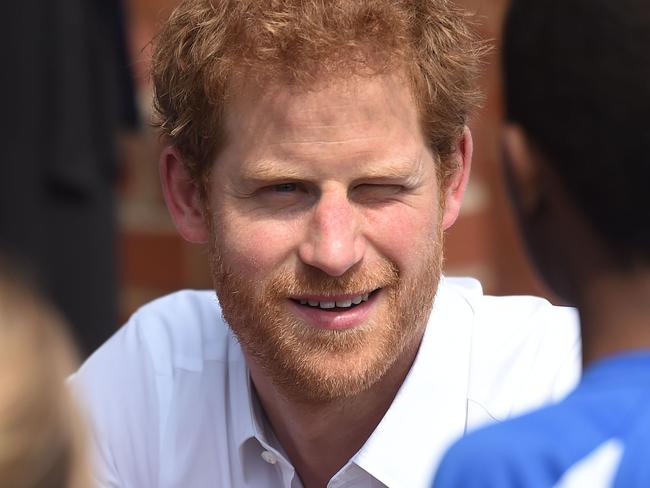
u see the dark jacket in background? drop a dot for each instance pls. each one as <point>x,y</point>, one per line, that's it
<point>66,89</point>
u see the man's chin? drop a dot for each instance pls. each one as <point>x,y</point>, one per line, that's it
<point>315,365</point>
<point>330,378</point>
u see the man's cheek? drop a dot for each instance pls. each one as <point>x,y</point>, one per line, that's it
<point>401,235</point>
<point>255,251</point>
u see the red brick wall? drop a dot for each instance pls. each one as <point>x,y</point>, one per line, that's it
<point>154,260</point>
<point>487,236</point>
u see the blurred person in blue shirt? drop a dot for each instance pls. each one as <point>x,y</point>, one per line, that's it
<point>577,156</point>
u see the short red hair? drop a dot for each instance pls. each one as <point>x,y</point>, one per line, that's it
<point>205,43</point>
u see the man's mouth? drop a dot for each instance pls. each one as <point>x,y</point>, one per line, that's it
<point>336,304</point>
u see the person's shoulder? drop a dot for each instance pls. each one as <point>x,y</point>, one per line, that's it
<point>525,351</point>
<point>526,330</point>
<point>512,321</point>
<point>181,330</point>
<point>505,314</point>
<point>634,470</point>
<point>128,387</point>
<point>177,331</point>
<point>532,450</point>
<point>488,457</point>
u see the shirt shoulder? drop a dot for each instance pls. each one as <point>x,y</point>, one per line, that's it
<point>127,386</point>
<point>634,470</point>
<point>525,352</point>
<point>177,331</point>
<point>535,450</point>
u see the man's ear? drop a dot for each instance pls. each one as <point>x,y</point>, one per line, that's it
<point>183,197</point>
<point>457,184</point>
<point>522,170</point>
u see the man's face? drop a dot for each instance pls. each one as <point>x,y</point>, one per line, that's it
<point>325,232</point>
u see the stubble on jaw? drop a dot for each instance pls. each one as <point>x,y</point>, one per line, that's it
<point>316,366</point>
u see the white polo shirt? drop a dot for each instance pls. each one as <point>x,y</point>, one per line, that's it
<point>169,399</point>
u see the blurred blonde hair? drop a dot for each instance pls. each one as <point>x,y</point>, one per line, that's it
<point>41,437</point>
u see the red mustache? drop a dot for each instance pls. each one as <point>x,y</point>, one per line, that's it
<point>312,281</point>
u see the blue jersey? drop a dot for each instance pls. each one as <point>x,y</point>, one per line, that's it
<point>598,436</point>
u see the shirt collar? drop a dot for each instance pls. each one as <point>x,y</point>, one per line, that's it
<point>429,411</point>
<point>245,417</point>
<point>252,434</point>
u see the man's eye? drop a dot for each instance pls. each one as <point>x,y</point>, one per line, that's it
<point>378,191</point>
<point>285,187</point>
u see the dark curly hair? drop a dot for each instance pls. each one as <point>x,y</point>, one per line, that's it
<point>577,76</point>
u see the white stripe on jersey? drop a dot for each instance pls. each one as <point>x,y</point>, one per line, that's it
<point>597,469</point>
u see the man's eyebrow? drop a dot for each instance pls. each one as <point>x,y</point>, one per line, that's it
<point>267,170</point>
<point>392,170</point>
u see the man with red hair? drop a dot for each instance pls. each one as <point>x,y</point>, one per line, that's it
<point>319,150</point>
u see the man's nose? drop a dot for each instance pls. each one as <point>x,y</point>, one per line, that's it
<point>333,241</point>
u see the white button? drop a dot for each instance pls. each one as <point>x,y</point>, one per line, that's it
<point>269,457</point>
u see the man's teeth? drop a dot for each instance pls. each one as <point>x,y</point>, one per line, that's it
<point>339,303</point>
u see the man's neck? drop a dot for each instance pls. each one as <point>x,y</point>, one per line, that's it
<point>320,439</point>
<point>615,314</point>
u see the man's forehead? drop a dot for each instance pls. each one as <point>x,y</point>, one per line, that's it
<point>369,123</point>
<point>319,104</point>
